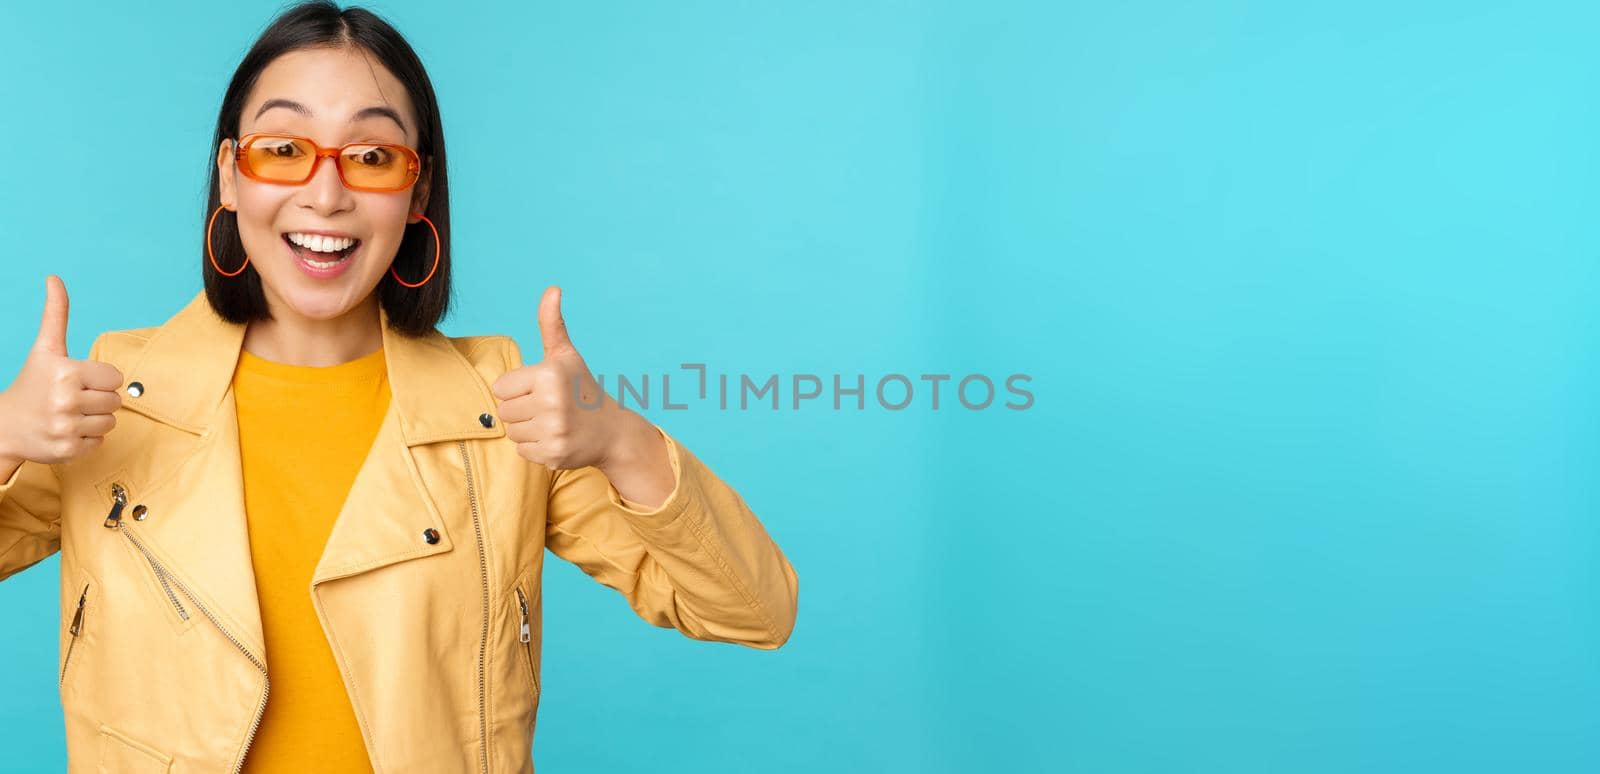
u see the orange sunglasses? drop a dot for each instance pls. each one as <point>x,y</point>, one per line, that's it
<point>363,166</point>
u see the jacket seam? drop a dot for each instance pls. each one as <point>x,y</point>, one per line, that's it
<point>5,554</point>
<point>694,513</point>
<point>486,341</point>
<point>750,598</point>
<point>596,546</point>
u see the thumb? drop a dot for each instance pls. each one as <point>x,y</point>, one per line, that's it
<point>53,324</point>
<point>552,327</point>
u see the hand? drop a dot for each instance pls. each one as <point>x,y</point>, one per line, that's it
<point>58,408</point>
<point>554,410</point>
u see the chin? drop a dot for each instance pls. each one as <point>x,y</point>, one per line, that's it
<point>320,303</point>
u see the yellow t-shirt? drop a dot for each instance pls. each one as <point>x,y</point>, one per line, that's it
<point>303,434</point>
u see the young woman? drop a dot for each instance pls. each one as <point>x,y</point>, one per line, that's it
<point>300,529</point>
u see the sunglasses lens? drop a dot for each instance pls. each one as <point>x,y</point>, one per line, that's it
<point>280,158</point>
<point>376,166</point>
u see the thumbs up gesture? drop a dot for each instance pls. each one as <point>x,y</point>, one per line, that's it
<point>554,410</point>
<point>57,408</point>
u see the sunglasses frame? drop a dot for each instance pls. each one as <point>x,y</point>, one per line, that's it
<point>241,156</point>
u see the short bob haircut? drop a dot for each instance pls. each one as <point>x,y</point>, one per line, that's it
<point>321,23</point>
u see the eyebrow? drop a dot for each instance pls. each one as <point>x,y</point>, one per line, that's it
<point>378,111</point>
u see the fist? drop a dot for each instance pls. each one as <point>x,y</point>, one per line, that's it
<point>58,408</point>
<point>554,410</point>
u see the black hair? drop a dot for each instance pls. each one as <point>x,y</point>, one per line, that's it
<point>321,23</point>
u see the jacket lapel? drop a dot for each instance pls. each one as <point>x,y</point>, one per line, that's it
<point>197,519</point>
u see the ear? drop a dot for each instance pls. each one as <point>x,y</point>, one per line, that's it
<point>225,169</point>
<point>419,192</point>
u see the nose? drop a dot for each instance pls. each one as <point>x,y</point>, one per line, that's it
<point>324,193</point>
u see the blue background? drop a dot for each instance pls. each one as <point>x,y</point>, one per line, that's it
<point>1307,293</point>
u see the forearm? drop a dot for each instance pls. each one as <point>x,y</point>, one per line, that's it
<point>638,466</point>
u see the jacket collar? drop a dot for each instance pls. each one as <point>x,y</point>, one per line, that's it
<point>187,368</point>
<point>403,488</point>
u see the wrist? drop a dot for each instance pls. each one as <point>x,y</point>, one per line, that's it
<point>9,452</point>
<point>629,441</point>
<point>10,458</point>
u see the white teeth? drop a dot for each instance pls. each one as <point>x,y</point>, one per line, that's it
<point>320,243</point>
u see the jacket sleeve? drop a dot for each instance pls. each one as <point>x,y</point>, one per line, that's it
<point>700,562</point>
<point>30,517</point>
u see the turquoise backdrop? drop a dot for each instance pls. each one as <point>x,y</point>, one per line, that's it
<point>1306,292</point>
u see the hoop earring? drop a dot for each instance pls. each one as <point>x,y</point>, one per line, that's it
<point>436,252</point>
<point>212,256</point>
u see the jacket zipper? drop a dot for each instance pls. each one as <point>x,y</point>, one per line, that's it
<point>77,625</point>
<point>114,520</point>
<point>161,575</point>
<point>526,634</point>
<point>119,501</point>
<point>483,637</point>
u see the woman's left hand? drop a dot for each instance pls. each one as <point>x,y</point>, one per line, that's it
<point>554,410</point>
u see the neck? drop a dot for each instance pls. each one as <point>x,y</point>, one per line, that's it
<point>294,339</point>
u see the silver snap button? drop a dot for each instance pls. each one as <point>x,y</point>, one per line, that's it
<point>135,389</point>
<point>139,512</point>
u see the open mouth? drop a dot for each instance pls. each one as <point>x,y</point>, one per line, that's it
<point>320,251</point>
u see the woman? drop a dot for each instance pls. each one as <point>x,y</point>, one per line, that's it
<point>302,530</point>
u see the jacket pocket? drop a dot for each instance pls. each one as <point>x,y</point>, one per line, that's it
<point>523,613</point>
<point>74,631</point>
<point>122,754</point>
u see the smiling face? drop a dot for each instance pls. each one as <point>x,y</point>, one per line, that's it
<point>293,233</point>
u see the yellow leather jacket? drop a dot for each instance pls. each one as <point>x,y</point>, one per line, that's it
<point>436,633</point>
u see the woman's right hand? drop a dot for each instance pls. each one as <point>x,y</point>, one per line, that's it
<point>58,408</point>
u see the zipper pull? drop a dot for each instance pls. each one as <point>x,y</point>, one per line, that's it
<point>120,498</point>
<point>77,618</point>
<point>523,603</point>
